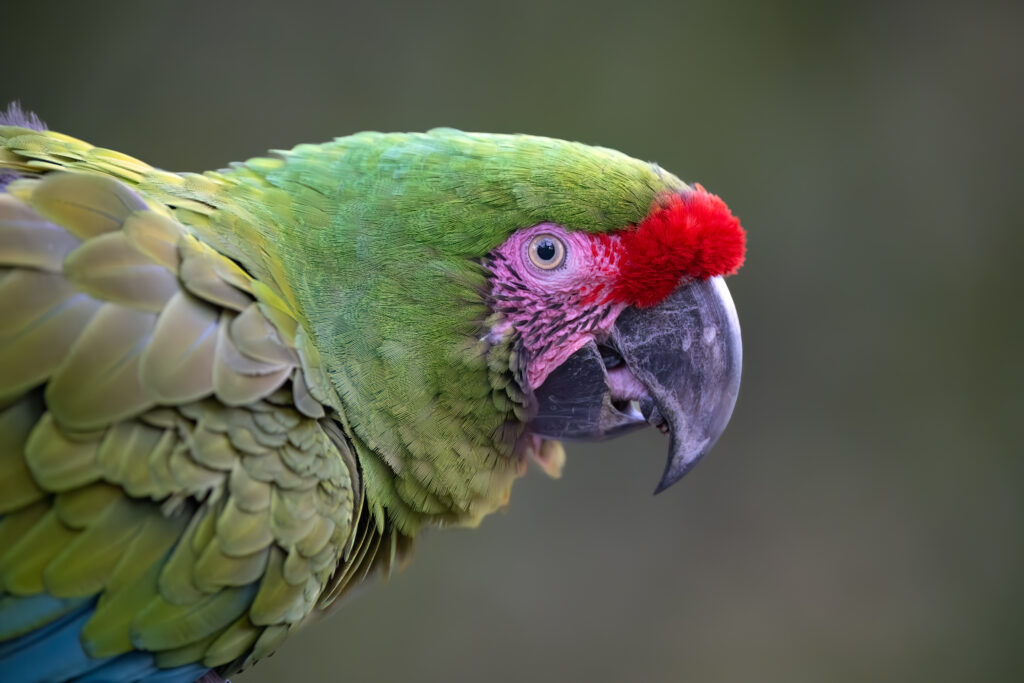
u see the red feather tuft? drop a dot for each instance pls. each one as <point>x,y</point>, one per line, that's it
<point>686,236</point>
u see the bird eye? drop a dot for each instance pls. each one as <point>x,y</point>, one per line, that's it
<point>547,252</point>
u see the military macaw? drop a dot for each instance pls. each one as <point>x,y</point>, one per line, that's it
<point>227,397</point>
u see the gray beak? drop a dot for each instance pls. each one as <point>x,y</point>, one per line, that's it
<point>684,357</point>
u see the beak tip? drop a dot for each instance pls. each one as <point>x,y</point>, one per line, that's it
<point>677,469</point>
<point>661,487</point>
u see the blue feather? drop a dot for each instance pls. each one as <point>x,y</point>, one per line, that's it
<point>134,666</point>
<point>31,615</point>
<point>181,674</point>
<point>54,652</point>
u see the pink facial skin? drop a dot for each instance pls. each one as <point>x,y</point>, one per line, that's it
<point>555,312</point>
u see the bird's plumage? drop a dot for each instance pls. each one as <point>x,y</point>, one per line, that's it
<point>227,397</point>
<point>175,470</point>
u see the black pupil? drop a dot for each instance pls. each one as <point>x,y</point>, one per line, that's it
<point>546,249</point>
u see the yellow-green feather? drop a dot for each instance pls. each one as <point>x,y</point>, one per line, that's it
<point>150,384</point>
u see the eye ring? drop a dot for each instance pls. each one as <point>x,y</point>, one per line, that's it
<point>546,251</point>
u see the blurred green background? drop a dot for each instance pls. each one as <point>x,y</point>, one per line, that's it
<point>861,518</point>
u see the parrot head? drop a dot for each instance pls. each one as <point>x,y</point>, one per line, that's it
<point>630,327</point>
<point>474,299</point>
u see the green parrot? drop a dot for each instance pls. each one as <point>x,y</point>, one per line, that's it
<point>228,397</point>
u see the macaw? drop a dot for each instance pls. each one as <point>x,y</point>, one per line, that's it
<point>228,397</point>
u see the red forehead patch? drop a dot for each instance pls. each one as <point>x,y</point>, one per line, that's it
<point>684,237</point>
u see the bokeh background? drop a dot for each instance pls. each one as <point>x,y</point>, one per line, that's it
<point>861,518</point>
